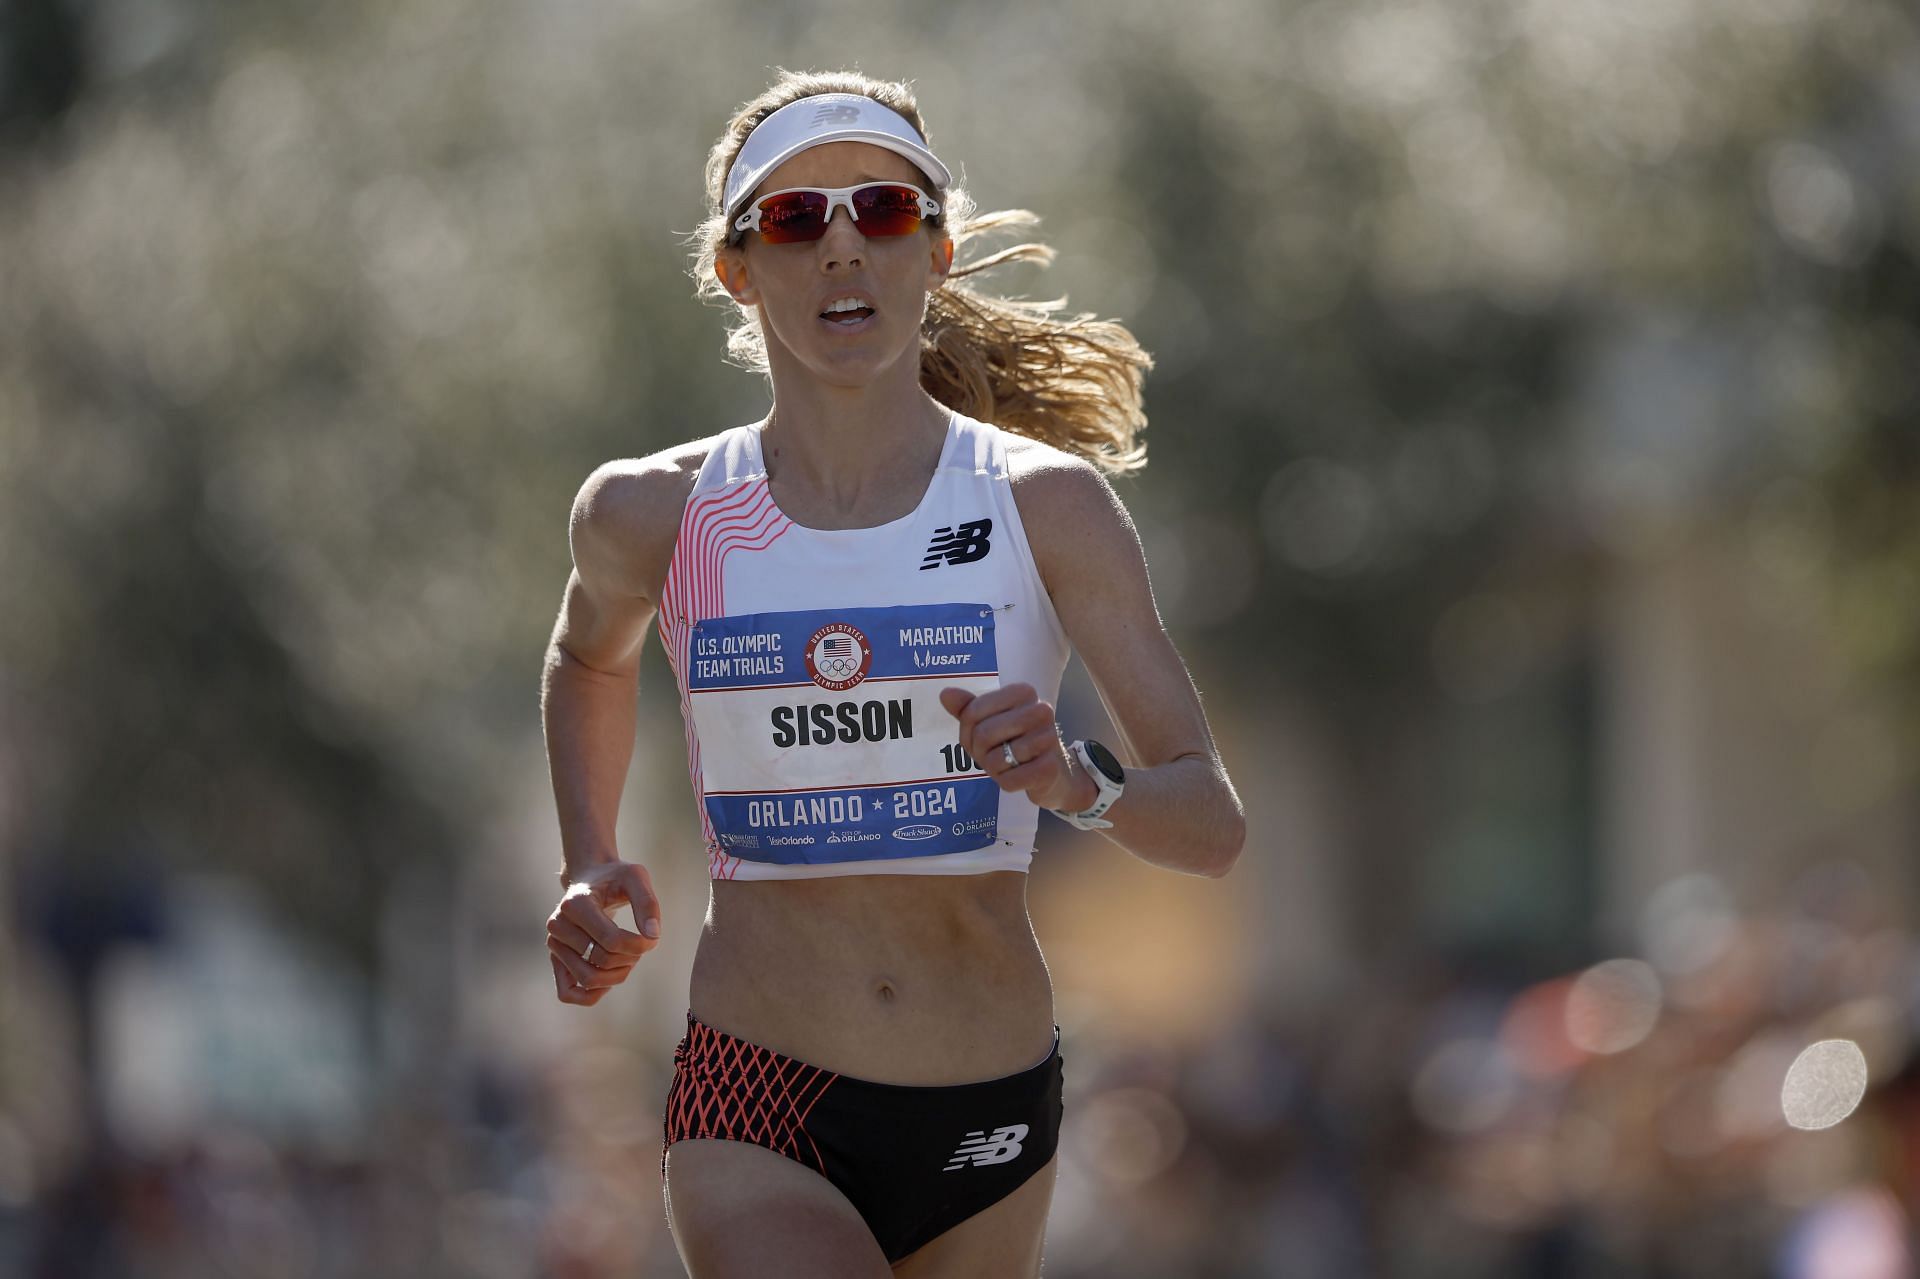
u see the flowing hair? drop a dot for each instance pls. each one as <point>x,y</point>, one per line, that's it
<point>1074,383</point>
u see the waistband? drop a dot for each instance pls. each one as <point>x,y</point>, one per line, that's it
<point>698,1030</point>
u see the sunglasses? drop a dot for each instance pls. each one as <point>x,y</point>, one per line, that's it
<point>799,214</point>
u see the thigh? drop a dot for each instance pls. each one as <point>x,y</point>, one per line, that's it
<point>1003,1238</point>
<point>741,1211</point>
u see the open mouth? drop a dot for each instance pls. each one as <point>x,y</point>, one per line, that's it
<point>854,319</point>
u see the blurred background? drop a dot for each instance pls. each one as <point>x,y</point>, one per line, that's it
<point>1535,495</point>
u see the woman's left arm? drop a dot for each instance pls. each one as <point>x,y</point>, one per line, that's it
<point>1179,809</point>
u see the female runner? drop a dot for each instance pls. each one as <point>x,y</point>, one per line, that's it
<point>867,600</point>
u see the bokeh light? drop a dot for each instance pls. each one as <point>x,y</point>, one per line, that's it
<point>1824,1084</point>
<point>1613,1005</point>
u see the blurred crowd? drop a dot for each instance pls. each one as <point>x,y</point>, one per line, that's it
<point>1626,1120</point>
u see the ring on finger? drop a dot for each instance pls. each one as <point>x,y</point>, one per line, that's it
<point>1013,761</point>
<point>587,954</point>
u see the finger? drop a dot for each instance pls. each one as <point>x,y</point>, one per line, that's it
<point>638,885</point>
<point>955,700</point>
<point>988,704</point>
<point>1042,762</point>
<point>571,992</point>
<point>1025,720</point>
<point>591,911</point>
<point>587,915</point>
<point>579,969</point>
<point>578,939</point>
<point>584,984</point>
<point>631,883</point>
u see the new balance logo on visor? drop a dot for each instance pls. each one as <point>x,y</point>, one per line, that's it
<point>979,1148</point>
<point>963,545</point>
<point>834,113</point>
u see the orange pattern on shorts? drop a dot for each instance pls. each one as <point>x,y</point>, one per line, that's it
<point>724,1086</point>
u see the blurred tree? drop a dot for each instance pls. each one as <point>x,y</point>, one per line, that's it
<point>43,68</point>
<point>172,717</point>
<point>315,348</point>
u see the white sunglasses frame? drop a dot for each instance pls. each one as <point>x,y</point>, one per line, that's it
<point>750,220</point>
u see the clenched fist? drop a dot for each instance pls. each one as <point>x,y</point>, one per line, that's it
<point>591,954</point>
<point>1013,737</point>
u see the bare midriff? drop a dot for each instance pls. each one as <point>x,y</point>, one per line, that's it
<point>919,980</point>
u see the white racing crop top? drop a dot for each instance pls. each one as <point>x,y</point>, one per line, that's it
<point>810,664</point>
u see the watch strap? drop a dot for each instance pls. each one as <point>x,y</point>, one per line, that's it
<point>1110,790</point>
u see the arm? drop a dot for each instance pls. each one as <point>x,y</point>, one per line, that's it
<point>588,693</point>
<point>1180,809</point>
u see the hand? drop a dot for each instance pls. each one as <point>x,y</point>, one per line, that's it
<point>1015,716</point>
<point>584,916</point>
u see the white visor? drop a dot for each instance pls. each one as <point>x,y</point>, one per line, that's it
<point>825,117</point>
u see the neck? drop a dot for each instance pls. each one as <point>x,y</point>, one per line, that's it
<point>850,447</point>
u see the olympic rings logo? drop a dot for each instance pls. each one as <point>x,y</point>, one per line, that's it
<point>838,656</point>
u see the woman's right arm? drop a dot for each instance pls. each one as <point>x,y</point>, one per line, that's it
<point>621,532</point>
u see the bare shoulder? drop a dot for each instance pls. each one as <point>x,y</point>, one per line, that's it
<point>1087,551</point>
<point>1065,501</point>
<point>627,515</point>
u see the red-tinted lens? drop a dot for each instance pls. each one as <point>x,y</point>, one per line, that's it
<point>887,210</point>
<point>793,217</point>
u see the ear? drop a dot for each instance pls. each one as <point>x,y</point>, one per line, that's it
<point>730,267</point>
<point>940,265</point>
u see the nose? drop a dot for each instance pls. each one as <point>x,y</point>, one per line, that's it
<point>843,245</point>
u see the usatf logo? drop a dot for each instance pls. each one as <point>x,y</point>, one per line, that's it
<point>980,1149</point>
<point>961,545</point>
<point>834,113</point>
<point>838,656</point>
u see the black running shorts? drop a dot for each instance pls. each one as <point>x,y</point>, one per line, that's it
<point>914,1161</point>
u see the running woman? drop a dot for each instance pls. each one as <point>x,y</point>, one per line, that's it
<point>867,599</point>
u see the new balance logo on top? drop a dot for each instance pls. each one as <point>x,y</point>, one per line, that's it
<point>963,545</point>
<point>834,113</point>
<point>979,1148</point>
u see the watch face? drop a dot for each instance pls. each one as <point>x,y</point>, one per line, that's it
<point>1103,760</point>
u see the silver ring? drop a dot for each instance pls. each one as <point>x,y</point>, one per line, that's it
<point>1013,760</point>
<point>587,954</point>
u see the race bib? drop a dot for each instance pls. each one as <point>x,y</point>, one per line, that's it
<point>822,736</point>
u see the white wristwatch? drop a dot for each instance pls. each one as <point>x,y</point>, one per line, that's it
<point>1107,775</point>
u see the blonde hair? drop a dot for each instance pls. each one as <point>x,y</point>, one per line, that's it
<point>1074,383</point>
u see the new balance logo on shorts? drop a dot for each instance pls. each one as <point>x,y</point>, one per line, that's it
<point>979,1148</point>
<point>961,545</point>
